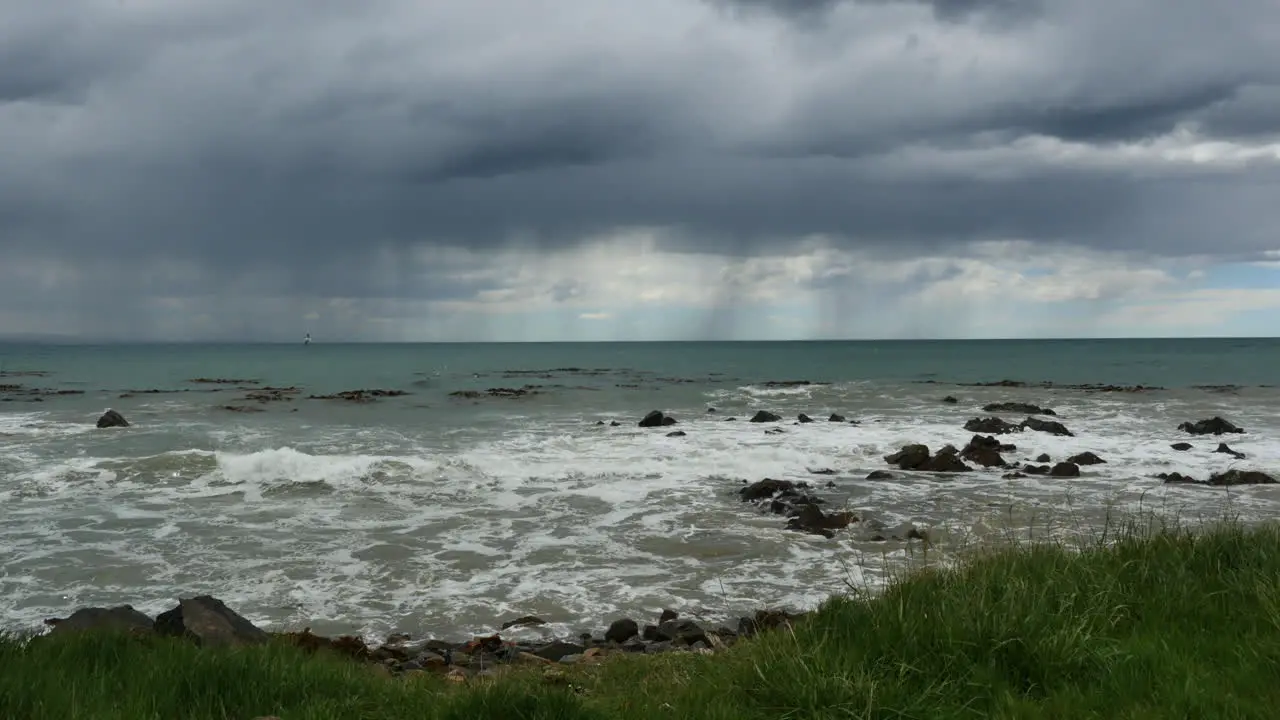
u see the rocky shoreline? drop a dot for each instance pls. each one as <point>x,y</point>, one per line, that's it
<point>208,622</point>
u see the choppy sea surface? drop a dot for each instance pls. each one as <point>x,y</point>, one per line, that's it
<point>437,513</point>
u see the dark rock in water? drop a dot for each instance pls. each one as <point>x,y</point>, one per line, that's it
<point>111,419</point>
<point>1226,450</point>
<point>769,488</point>
<point>1176,478</point>
<point>835,418</point>
<point>989,442</point>
<point>622,630</point>
<point>909,457</point>
<point>945,462</point>
<point>209,622</point>
<point>1036,469</point>
<point>950,400</point>
<point>764,416</point>
<point>1086,458</point>
<point>812,520</point>
<point>242,408</point>
<point>368,396</point>
<point>656,418</point>
<point>984,451</point>
<point>1212,426</point>
<point>1013,475</point>
<point>1181,446</point>
<point>1043,458</point>
<point>677,433</point>
<point>991,426</point>
<point>821,471</point>
<point>1018,407</point>
<point>917,457</point>
<point>667,615</point>
<point>775,431</point>
<point>614,423</point>
<point>1241,477</point>
<point>122,618</point>
<point>711,410</point>
<point>880,475</point>
<point>526,621</point>
<point>1065,469</point>
<point>1053,427</point>
<point>804,418</point>
<point>731,419</point>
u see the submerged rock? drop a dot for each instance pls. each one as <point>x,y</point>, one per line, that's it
<point>764,416</point>
<point>810,519</point>
<point>1213,426</point>
<point>1018,407</point>
<point>1241,477</point>
<point>1086,458</point>
<point>1181,446</point>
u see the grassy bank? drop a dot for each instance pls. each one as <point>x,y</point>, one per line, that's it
<point>1162,624</point>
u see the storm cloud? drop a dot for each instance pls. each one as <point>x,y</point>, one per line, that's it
<point>389,151</point>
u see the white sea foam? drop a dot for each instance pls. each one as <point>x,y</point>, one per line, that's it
<point>556,516</point>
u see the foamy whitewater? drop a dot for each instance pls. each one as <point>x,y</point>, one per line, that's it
<point>442,515</point>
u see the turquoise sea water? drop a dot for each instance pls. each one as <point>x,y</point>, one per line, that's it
<point>444,512</point>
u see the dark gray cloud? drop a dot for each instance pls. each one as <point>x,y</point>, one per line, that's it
<point>946,10</point>
<point>324,149</point>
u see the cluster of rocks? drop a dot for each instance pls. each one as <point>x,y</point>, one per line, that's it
<point>497,392</point>
<point>804,511</point>
<point>360,396</point>
<point>208,622</point>
<point>658,418</point>
<point>997,426</point>
<point>795,501</point>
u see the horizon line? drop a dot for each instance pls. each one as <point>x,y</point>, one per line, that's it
<point>47,341</point>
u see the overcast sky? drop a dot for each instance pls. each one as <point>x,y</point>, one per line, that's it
<point>610,169</point>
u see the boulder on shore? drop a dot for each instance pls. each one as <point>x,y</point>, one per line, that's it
<point>111,419</point>
<point>122,618</point>
<point>209,622</point>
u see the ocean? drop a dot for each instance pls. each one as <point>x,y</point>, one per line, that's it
<point>445,514</point>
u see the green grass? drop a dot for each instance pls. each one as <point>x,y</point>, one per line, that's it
<point>1155,623</point>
